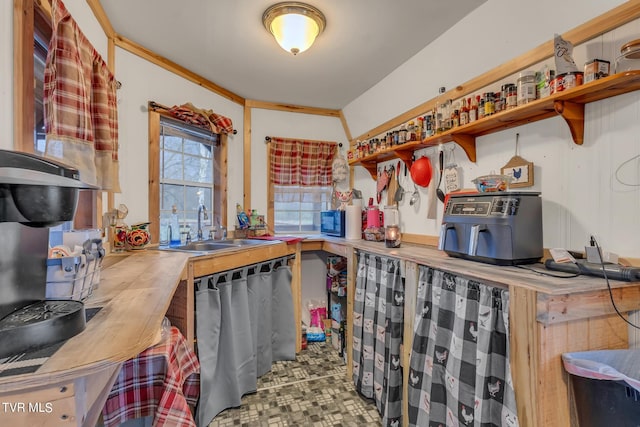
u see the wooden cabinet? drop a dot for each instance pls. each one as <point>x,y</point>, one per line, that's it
<point>569,104</point>
<point>547,317</point>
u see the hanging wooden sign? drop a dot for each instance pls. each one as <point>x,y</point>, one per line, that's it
<point>519,169</point>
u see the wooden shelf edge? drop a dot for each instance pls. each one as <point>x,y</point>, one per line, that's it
<point>569,104</point>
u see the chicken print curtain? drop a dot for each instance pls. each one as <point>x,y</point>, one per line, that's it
<point>377,334</point>
<point>459,369</point>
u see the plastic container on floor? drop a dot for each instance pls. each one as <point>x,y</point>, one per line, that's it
<point>606,386</point>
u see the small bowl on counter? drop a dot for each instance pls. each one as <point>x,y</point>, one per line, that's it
<point>491,183</point>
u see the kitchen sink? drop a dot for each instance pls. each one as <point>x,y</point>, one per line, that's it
<point>217,245</point>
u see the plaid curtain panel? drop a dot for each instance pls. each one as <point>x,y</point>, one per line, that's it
<point>377,334</point>
<point>299,162</point>
<point>459,370</point>
<point>80,104</point>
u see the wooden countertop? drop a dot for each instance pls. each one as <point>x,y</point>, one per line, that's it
<point>136,289</point>
<point>134,294</point>
<point>487,273</point>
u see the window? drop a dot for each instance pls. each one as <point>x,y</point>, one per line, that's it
<point>188,176</point>
<point>41,37</point>
<point>297,209</point>
<point>300,183</point>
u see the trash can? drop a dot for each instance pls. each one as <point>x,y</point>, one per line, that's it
<point>606,387</point>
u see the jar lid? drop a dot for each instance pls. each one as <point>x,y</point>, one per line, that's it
<point>631,49</point>
<point>527,73</point>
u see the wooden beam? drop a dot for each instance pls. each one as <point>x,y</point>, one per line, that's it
<point>23,75</point>
<point>252,103</point>
<point>154,175</point>
<point>345,126</point>
<point>102,18</point>
<point>246,163</point>
<point>597,26</point>
<point>173,67</point>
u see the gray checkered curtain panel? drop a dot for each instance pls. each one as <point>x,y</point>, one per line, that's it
<point>377,334</point>
<point>459,370</point>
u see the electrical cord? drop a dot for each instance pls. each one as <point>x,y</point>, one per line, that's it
<point>545,273</point>
<point>604,272</point>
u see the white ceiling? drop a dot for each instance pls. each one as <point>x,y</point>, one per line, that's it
<point>225,42</point>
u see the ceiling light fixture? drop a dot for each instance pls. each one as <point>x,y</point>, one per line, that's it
<point>294,25</point>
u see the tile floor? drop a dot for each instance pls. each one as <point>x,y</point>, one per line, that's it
<point>313,391</point>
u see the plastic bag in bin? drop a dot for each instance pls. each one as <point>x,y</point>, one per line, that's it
<point>615,365</point>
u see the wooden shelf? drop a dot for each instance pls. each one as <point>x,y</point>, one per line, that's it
<point>569,104</point>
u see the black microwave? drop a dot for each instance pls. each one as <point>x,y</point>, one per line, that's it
<point>332,223</point>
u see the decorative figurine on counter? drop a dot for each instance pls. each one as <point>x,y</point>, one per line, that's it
<point>342,193</point>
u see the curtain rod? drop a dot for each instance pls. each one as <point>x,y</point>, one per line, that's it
<point>155,106</point>
<point>267,139</point>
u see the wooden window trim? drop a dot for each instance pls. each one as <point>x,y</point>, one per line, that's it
<point>220,188</point>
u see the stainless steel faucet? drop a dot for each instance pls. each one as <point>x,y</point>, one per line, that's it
<point>201,210</point>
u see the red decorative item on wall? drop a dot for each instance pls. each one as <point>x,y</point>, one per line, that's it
<point>421,171</point>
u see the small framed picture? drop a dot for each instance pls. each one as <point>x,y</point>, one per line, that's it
<point>520,170</point>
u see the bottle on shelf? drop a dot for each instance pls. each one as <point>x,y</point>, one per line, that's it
<point>402,134</point>
<point>489,104</point>
<point>473,109</point>
<point>441,113</point>
<point>455,117</point>
<point>464,113</point>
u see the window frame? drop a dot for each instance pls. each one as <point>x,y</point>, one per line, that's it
<point>319,190</point>
<point>271,197</point>
<point>219,178</point>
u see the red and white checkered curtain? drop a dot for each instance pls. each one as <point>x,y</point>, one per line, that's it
<point>80,105</point>
<point>300,162</point>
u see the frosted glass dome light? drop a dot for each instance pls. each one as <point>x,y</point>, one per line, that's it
<point>294,25</point>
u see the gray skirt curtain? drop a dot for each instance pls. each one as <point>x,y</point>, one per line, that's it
<point>459,370</point>
<point>244,322</point>
<point>377,334</point>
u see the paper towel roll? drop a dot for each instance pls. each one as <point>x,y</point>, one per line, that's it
<point>353,227</point>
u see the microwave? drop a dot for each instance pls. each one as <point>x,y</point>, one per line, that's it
<point>332,223</point>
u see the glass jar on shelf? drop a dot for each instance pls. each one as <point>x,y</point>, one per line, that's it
<point>629,58</point>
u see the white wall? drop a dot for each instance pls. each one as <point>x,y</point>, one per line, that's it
<point>142,82</point>
<point>581,195</point>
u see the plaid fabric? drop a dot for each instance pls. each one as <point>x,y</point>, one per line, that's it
<point>161,381</point>
<point>459,369</point>
<point>303,163</point>
<point>377,334</point>
<point>203,118</point>
<point>80,104</point>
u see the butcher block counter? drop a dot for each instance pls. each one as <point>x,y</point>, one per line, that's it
<point>548,316</point>
<point>71,386</point>
<point>136,291</point>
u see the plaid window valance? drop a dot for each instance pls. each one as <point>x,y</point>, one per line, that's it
<point>80,105</point>
<point>203,118</point>
<point>300,162</point>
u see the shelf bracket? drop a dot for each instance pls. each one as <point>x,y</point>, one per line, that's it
<point>406,157</point>
<point>467,143</point>
<point>372,167</point>
<point>573,114</point>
